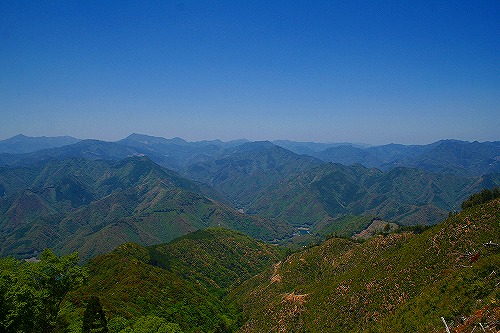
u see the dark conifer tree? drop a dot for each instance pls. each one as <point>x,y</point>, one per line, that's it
<point>94,320</point>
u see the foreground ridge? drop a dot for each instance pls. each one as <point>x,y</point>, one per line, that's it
<point>397,283</point>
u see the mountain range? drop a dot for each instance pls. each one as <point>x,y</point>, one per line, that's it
<point>94,205</point>
<point>190,234</point>
<point>330,191</point>
<point>93,195</point>
<point>217,280</point>
<point>445,156</point>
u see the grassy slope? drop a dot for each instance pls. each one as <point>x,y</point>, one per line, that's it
<point>399,283</point>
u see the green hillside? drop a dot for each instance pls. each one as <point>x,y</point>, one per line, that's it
<point>182,281</point>
<point>129,287</point>
<point>398,283</point>
<point>215,258</point>
<point>248,169</point>
<point>217,280</point>
<point>94,206</point>
<point>323,196</point>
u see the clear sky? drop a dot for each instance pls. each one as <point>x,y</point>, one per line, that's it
<point>326,71</point>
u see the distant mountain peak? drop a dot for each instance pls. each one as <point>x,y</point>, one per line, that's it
<point>136,136</point>
<point>20,144</point>
<point>20,136</point>
<point>256,144</point>
<point>148,139</point>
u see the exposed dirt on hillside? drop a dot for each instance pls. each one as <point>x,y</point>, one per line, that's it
<point>376,227</point>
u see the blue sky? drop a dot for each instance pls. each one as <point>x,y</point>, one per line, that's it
<point>326,71</point>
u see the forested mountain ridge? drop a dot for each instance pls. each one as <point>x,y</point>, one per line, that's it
<point>248,169</point>
<point>321,196</point>
<point>93,206</point>
<point>183,281</point>
<point>206,281</point>
<point>395,283</point>
<point>87,192</point>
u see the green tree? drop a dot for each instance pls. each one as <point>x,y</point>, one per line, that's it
<point>20,303</point>
<point>152,324</point>
<point>94,320</point>
<point>31,292</point>
<point>481,197</point>
<point>55,276</point>
<point>118,323</point>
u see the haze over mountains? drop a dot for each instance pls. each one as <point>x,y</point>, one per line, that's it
<point>151,190</point>
<point>24,144</point>
<point>446,156</point>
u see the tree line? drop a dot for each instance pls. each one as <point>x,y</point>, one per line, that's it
<point>481,197</point>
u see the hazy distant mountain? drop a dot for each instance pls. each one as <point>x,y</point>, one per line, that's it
<point>349,155</point>
<point>456,157</point>
<point>447,156</point>
<point>310,148</point>
<point>394,152</point>
<point>93,206</point>
<point>152,142</point>
<point>20,144</point>
<point>88,149</point>
<point>176,153</point>
<point>247,169</point>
